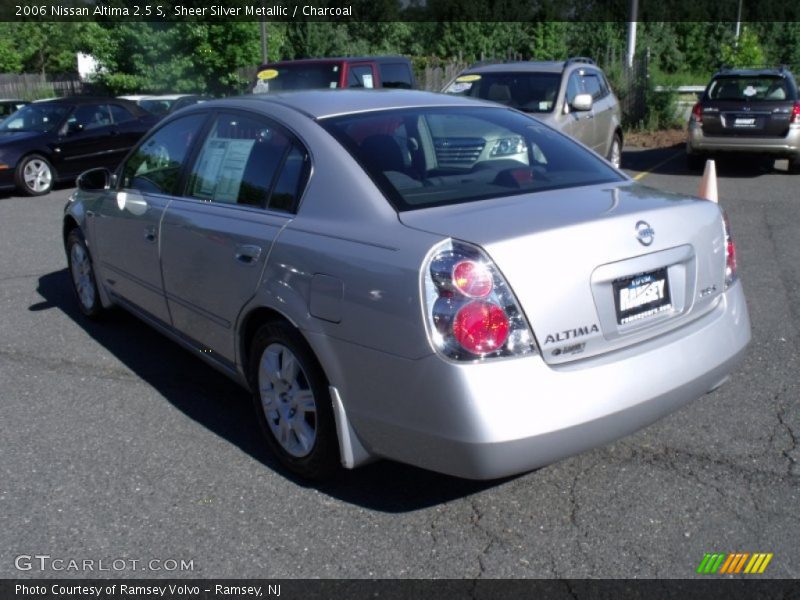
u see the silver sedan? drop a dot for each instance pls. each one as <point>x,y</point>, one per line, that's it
<point>426,278</point>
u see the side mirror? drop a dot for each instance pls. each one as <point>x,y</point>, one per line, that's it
<point>582,102</point>
<point>94,180</point>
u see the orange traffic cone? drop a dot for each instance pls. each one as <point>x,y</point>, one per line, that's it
<point>708,185</point>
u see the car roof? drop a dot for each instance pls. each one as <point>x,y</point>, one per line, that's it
<point>336,59</point>
<point>753,72</point>
<point>322,103</point>
<point>79,100</point>
<point>522,67</point>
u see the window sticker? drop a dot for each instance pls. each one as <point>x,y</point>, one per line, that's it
<point>219,174</point>
<point>467,78</point>
<point>267,74</point>
<point>367,79</point>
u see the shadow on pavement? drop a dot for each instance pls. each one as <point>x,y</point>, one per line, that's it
<point>672,161</point>
<point>224,408</point>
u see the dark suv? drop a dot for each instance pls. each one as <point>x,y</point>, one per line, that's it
<point>344,72</point>
<point>748,111</point>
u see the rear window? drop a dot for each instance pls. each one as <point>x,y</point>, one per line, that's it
<point>396,75</point>
<point>531,92</point>
<point>751,89</point>
<point>426,157</point>
<point>297,77</point>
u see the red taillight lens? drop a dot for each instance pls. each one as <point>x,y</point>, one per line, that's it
<point>481,327</point>
<point>730,253</point>
<point>697,113</point>
<point>472,279</point>
<point>795,118</point>
<point>470,311</point>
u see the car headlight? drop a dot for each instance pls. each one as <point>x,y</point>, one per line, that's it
<point>508,146</point>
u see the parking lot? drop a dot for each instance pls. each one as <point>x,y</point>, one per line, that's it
<point>119,445</point>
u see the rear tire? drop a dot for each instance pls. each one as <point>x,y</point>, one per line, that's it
<point>34,175</point>
<point>292,402</point>
<point>81,272</point>
<point>794,165</point>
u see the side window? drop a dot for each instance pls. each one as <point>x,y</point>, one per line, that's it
<point>574,87</point>
<point>360,76</point>
<point>287,190</point>
<point>239,161</point>
<point>156,164</point>
<point>120,114</point>
<point>592,85</point>
<point>395,75</point>
<point>90,116</point>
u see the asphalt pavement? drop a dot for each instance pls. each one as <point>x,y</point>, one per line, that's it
<point>118,446</point>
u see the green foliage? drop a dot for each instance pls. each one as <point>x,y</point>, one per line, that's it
<point>746,53</point>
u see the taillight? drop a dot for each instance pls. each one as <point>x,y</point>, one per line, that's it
<point>795,118</point>
<point>730,253</point>
<point>470,310</point>
<point>697,113</point>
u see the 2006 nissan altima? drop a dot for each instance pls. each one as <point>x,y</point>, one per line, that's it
<point>431,279</point>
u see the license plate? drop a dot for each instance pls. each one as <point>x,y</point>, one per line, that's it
<point>742,122</point>
<point>641,296</point>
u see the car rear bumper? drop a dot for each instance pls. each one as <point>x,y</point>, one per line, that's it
<point>698,142</point>
<point>489,420</point>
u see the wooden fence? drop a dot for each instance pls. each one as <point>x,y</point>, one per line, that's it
<point>32,86</point>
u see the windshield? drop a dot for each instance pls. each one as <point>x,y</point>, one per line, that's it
<point>36,117</point>
<point>424,157</point>
<point>750,89</point>
<point>157,106</point>
<point>301,76</point>
<point>531,92</point>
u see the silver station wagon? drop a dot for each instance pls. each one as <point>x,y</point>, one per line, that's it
<point>386,293</point>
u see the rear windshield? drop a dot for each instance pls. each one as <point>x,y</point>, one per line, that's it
<point>531,92</point>
<point>297,77</point>
<point>424,157</point>
<point>751,89</point>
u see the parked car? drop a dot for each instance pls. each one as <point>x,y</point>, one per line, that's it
<point>55,140</point>
<point>9,106</point>
<point>381,299</point>
<point>754,111</point>
<point>343,72</point>
<point>161,104</point>
<point>573,96</point>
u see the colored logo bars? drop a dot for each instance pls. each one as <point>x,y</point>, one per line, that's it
<point>726,564</point>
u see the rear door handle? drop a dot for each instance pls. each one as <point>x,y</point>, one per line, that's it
<point>150,234</point>
<point>247,254</point>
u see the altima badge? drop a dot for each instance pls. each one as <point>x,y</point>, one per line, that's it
<point>644,233</point>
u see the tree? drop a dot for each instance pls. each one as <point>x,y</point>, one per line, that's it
<point>746,53</point>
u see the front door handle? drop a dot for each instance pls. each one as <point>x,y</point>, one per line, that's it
<point>247,254</point>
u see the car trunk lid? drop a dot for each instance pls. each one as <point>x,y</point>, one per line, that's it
<point>595,268</point>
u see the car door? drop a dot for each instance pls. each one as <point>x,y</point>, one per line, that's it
<point>215,240</point>
<point>127,224</point>
<point>86,141</point>
<point>128,128</point>
<point>575,123</point>
<point>603,108</point>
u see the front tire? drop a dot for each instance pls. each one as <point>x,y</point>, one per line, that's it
<point>292,402</point>
<point>34,175</point>
<point>81,270</point>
